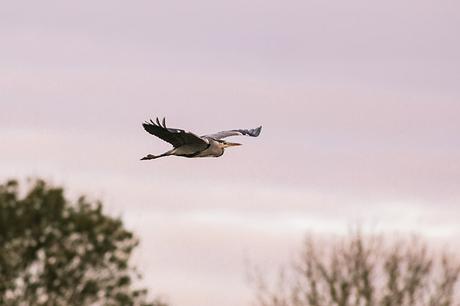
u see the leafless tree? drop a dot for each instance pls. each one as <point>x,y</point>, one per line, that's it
<point>365,271</point>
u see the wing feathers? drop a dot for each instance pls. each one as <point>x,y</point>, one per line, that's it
<point>176,137</point>
<point>246,132</point>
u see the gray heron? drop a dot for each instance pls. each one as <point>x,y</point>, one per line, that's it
<point>188,144</point>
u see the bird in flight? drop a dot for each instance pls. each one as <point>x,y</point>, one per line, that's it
<point>187,144</point>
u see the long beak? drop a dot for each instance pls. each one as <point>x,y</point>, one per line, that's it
<point>232,144</point>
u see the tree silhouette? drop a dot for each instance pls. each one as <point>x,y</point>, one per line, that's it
<point>359,271</point>
<point>54,252</point>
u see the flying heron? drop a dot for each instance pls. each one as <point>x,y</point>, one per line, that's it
<point>187,144</point>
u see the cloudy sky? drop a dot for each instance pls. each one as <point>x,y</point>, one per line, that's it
<point>359,100</point>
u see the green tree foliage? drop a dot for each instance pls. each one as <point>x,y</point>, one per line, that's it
<point>359,271</point>
<point>54,252</point>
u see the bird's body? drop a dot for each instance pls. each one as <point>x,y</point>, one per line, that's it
<point>214,149</point>
<point>187,144</point>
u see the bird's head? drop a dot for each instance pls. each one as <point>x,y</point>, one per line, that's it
<point>226,144</point>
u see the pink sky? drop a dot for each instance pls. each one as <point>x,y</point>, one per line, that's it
<point>359,100</point>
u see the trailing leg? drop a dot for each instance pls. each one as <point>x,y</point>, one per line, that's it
<point>150,156</point>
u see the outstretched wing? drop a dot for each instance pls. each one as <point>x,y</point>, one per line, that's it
<point>250,132</point>
<point>176,137</point>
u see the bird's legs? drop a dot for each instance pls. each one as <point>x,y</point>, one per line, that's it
<point>150,156</point>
